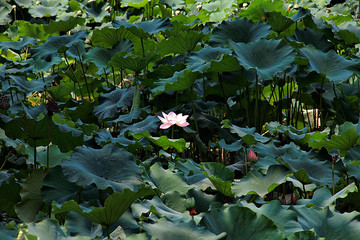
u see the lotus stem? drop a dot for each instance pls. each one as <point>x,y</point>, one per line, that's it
<point>194,113</point>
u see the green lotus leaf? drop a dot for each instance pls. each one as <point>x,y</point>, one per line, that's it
<point>134,3</point>
<point>55,156</point>
<point>50,229</point>
<point>323,197</point>
<point>149,124</point>
<point>319,172</point>
<point>27,29</point>
<point>55,187</point>
<point>167,180</point>
<point>220,176</point>
<point>277,21</point>
<point>129,117</point>
<point>248,135</point>
<point>17,45</point>
<point>240,223</point>
<point>201,61</point>
<point>105,136</point>
<point>55,43</point>
<point>115,206</point>
<point>31,199</point>
<point>181,43</point>
<point>39,132</point>
<point>181,230</point>
<point>101,167</point>
<point>335,67</point>
<point>145,28</point>
<point>5,10</point>
<point>329,224</point>
<point>301,13</point>
<point>9,196</point>
<point>284,218</point>
<point>27,86</point>
<point>256,183</point>
<point>112,102</point>
<point>159,209</point>
<point>240,30</point>
<point>97,10</point>
<point>175,201</point>
<point>181,80</point>
<point>267,57</point>
<point>24,3</point>
<point>343,142</point>
<point>64,26</point>
<point>109,37</point>
<point>78,225</point>
<point>305,235</point>
<point>38,65</point>
<point>256,10</point>
<point>233,147</point>
<point>101,56</point>
<point>132,62</point>
<point>47,8</point>
<point>163,141</point>
<point>316,38</point>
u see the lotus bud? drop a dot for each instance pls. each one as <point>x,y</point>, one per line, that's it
<point>252,156</point>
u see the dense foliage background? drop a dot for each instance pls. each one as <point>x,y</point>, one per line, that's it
<point>273,96</point>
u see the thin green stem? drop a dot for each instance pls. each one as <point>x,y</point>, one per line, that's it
<point>194,112</point>
<point>333,177</point>
<point>6,158</point>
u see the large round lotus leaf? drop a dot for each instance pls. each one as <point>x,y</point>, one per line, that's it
<point>17,45</point>
<point>241,223</point>
<point>328,224</point>
<point>336,67</point>
<point>107,167</point>
<point>256,183</point>
<point>239,30</point>
<point>183,230</point>
<point>316,38</point>
<point>268,57</point>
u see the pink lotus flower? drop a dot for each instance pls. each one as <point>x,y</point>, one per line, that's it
<point>170,119</point>
<point>252,156</point>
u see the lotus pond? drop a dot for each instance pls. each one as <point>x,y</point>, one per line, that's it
<point>179,119</point>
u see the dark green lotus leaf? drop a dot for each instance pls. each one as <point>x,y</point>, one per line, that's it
<point>316,38</point>
<point>343,142</point>
<point>97,10</point>
<point>6,234</point>
<point>27,29</point>
<point>109,37</point>
<point>55,156</point>
<point>335,67</point>
<point>351,34</point>
<point>226,63</point>
<point>201,61</point>
<point>220,176</point>
<point>182,43</point>
<point>181,230</point>
<point>17,45</point>
<point>278,21</point>
<point>50,229</point>
<point>144,28</point>
<point>115,206</point>
<point>284,218</point>
<point>159,209</point>
<point>31,199</point>
<point>256,183</point>
<point>111,103</point>
<point>323,197</point>
<point>188,167</point>
<point>39,132</point>
<point>129,117</point>
<point>233,147</point>
<point>248,135</point>
<point>294,134</point>
<point>150,124</point>
<point>329,224</point>
<point>55,187</point>
<point>240,223</point>
<point>38,65</point>
<point>267,57</point>
<point>103,137</point>
<point>27,86</point>
<point>78,225</point>
<point>305,235</point>
<point>181,80</point>
<point>175,201</point>
<point>167,180</point>
<point>64,26</point>
<point>9,196</point>
<point>319,172</point>
<point>54,43</point>
<point>101,167</point>
<point>132,62</point>
<point>240,30</point>
<point>301,13</point>
<point>101,56</point>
